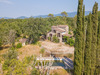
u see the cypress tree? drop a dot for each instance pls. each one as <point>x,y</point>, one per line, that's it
<point>83,43</point>
<point>98,51</point>
<point>87,54</point>
<point>94,37</point>
<point>78,42</point>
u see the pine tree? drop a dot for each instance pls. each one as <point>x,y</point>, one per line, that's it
<point>87,53</point>
<point>83,43</point>
<point>94,37</point>
<point>78,42</point>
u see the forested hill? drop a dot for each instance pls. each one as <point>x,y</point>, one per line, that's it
<point>70,14</point>
<point>31,27</point>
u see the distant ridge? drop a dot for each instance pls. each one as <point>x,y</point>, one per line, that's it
<point>22,17</point>
<point>70,14</point>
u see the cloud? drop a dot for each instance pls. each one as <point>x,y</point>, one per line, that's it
<point>6,1</point>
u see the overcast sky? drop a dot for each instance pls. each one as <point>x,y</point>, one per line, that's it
<point>16,8</point>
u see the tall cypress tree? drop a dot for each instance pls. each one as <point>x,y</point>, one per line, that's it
<point>94,37</point>
<point>83,43</point>
<point>78,42</point>
<point>87,54</point>
<point>98,51</point>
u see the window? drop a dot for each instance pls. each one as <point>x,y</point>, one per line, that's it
<point>54,31</point>
<point>58,35</point>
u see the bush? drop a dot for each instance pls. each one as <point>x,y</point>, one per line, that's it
<point>55,39</point>
<point>38,43</point>
<point>28,59</point>
<point>19,45</point>
<point>42,51</point>
<point>70,41</point>
<point>70,55</point>
<point>69,33</point>
<point>65,38</point>
<point>35,72</point>
<point>6,64</point>
<point>48,38</point>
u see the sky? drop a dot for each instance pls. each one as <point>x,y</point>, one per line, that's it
<point>16,8</point>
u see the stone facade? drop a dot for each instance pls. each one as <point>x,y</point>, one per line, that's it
<point>59,31</point>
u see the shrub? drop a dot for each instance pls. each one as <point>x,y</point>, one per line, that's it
<point>48,38</point>
<point>42,51</point>
<point>70,55</point>
<point>35,72</point>
<point>19,45</point>
<point>28,59</point>
<point>55,39</point>
<point>5,65</point>
<point>38,43</point>
<point>65,38</point>
<point>70,41</point>
<point>69,33</point>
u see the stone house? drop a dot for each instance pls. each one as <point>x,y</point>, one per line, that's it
<point>59,31</point>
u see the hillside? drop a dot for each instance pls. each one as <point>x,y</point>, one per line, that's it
<point>70,14</point>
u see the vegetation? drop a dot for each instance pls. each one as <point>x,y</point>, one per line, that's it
<point>13,66</point>
<point>98,47</point>
<point>69,41</point>
<point>87,50</point>
<point>70,55</point>
<point>94,37</point>
<point>87,53</point>
<point>64,13</point>
<point>87,41</point>
<point>55,39</point>
<point>19,45</point>
<point>33,28</point>
<point>42,51</point>
<point>50,15</point>
<point>78,42</point>
<point>83,38</point>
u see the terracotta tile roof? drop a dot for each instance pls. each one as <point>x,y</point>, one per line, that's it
<point>62,25</point>
<point>59,29</point>
<point>23,40</point>
<point>67,35</point>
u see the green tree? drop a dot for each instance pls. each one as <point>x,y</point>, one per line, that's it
<point>50,15</point>
<point>13,66</point>
<point>35,72</point>
<point>78,42</point>
<point>42,51</point>
<point>64,13</point>
<point>83,43</point>
<point>94,37</point>
<point>16,67</point>
<point>55,39</point>
<point>87,53</point>
<point>19,45</point>
<point>98,48</point>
